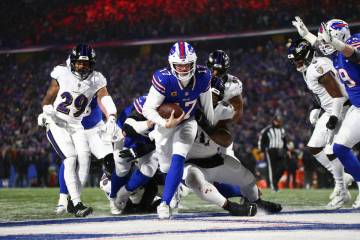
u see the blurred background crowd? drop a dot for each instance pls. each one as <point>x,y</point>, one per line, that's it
<point>271,85</point>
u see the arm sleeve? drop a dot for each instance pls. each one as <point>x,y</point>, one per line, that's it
<point>207,104</point>
<point>153,101</point>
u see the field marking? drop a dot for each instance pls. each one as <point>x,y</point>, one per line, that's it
<point>186,216</point>
<point>305,227</point>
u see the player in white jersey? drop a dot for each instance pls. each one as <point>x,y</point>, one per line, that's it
<point>93,124</point>
<point>321,78</point>
<point>70,92</point>
<point>211,158</point>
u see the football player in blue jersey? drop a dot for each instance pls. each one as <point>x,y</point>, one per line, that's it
<point>136,145</point>
<point>93,125</point>
<point>346,60</point>
<point>183,83</point>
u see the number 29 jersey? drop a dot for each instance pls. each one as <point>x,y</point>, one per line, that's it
<point>349,72</point>
<point>74,95</point>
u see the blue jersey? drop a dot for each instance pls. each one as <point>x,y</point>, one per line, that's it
<point>349,72</point>
<point>136,107</point>
<point>168,85</point>
<point>95,115</point>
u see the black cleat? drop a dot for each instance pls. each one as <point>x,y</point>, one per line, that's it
<point>70,206</point>
<point>269,207</point>
<point>236,209</point>
<point>82,211</point>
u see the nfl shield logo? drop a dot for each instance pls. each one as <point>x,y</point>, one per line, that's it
<point>173,94</point>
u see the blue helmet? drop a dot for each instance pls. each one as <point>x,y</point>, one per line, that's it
<point>82,52</point>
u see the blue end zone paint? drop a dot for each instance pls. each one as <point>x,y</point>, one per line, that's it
<point>315,226</point>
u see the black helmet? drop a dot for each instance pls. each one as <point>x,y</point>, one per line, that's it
<point>301,53</point>
<point>82,52</point>
<point>218,87</point>
<point>219,61</point>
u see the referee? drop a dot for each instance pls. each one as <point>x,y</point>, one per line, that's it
<point>272,143</point>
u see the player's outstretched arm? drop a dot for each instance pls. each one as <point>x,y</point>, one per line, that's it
<point>333,88</point>
<point>303,31</point>
<point>349,51</point>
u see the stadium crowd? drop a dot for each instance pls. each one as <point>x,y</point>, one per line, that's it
<point>35,23</point>
<point>271,86</point>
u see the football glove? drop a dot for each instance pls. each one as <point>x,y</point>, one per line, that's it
<point>110,129</point>
<point>131,154</point>
<point>331,124</point>
<point>303,30</point>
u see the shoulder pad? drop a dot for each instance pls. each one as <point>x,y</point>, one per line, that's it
<point>57,71</point>
<point>99,79</point>
<point>233,87</point>
<point>160,79</point>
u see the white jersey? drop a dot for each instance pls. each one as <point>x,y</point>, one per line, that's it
<point>74,95</point>
<point>203,146</point>
<point>318,67</point>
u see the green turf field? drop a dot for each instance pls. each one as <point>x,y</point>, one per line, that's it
<point>39,203</point>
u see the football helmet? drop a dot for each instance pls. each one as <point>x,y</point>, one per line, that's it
<point>301,54</point>
<point>324,47</point>
<point>82,52</point>
<point>219,61</point>
<point>182,55</point>
<point>218,87</point>
<point>338,29</point>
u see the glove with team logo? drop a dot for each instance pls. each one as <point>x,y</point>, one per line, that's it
<point>314,115</point>
<point>304,31</point>
<point>331,124</point>
<point>110,129</point>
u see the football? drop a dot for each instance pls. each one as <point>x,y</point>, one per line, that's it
<point>165,110</point>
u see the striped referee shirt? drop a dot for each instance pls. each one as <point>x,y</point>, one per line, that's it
<point>272,137</point>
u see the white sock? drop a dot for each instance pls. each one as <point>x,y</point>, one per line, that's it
<point>72,180</point>
<point>62,199</point>
<point>358,183</point>
<point>338,172</point>
<point>209,193</point>
<point>324,160</point>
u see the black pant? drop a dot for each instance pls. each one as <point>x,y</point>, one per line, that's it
<point>276,165</point>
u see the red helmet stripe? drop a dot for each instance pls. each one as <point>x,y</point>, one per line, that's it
<point>182,50</point>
